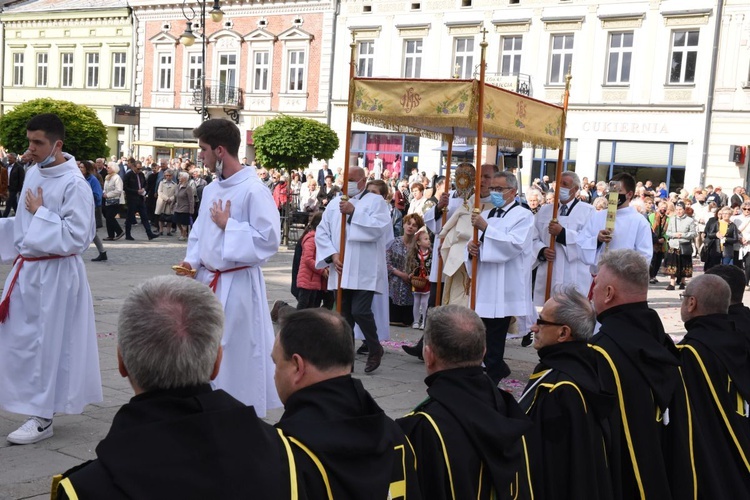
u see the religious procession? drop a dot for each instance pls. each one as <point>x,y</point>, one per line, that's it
<point>232,396</point>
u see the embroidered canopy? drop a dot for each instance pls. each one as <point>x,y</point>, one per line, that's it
<point>441,109</point>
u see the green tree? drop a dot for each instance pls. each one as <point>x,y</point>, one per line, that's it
<point>85,134</point>
<point>288,142</point>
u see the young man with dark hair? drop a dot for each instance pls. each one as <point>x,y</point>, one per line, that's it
<point>237,230</point>
<point>343,443</point>
<point>49,361</point>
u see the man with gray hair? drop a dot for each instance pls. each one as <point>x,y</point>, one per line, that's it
<point>651,454</point>
<point>503,279</point>
<point>716,368</point>
<point>468,434</point>
<point>178,438</point>
<point>569,407</point>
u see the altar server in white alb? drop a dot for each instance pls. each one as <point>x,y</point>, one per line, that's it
<point>327,243</point>
<point>49,362</point>
<point>632,231</point>
<point>503,277</point>
<point>572,215</point>
<point>237,230</point>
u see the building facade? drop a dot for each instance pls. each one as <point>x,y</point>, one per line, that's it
<point>73,50</point>
<point>638,96</point>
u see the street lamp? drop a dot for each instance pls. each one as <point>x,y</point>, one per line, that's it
<point>188,39</point>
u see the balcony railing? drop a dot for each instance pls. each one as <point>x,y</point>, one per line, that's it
<point>218,95</point>
<point>519,83</point>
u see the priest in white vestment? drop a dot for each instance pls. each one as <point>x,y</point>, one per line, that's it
<point>237,230</point>
<point>567,266</point>
<point>49,359</point>
<point>503,277</point>
<point>632,231</point>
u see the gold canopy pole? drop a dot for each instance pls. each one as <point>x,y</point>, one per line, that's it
<point>347,147</point>
<point>558,174</point>
<point>478,176</point>
<point>446,184</point>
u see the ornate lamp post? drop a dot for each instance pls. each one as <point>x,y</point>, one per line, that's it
<point>188,39</point>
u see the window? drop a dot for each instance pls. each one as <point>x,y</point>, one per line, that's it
<point>366,58</point>
<point>412,58</point>
<point>296,66</point>
<point>195,71</point>
<point>510,57</point>
<point>165,72</point>
<point>561,58</point>
<point>92,69</point>
<point>684,56</point>
<point>118,70</point>
<point>66,70</point>
<point>18,69</point>
<point>260,70</point>
<point>42,59</point>
<point>655,161</point>
<point>463,61</point>
<point>620,56</point>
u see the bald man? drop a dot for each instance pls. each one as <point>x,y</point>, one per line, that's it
<point>651,438</point>
<point>716,367</point>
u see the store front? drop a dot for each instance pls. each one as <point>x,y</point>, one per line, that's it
<point>655,161</point>
<point>398,152</point>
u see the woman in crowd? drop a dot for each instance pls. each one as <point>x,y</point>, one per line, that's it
<point>310,203</point>
<point>399,281</point>
<point>89,173</point>
<point>721,235</point>
<point>600,203</point>
<point>113,197</point>
<point>743,227</point>
<point>184,205</point>
<point>679,260</point>
<point>165,202</point>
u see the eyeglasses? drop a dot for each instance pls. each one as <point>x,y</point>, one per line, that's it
<point>499,189</point>
<point>683,296</point>
<point>746,209</point>
<point>542,322</point>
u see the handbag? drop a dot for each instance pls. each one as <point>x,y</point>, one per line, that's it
<point>704,253</point>
<point>111,201</point>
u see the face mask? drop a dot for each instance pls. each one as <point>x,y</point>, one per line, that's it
<point>219,168</point>
<point>564,193</point>
<point>49,159</point>
<point>352,189</point>
<point>621,199</point>
<point>497,199</point>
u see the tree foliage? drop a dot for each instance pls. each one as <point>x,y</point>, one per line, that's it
<point>85,134</point>
<point>289,142</point>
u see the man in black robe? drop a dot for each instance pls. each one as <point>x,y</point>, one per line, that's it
<point>569,408</point>
<point>178,438</point>
<point>651,455</point>
<point>468,435</point>
<point>344,445</point>
<point>716,367</point>
<point>739,314</point>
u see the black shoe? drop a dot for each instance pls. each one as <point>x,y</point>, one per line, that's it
<point>363,349</point>
<point>682,286</point>
<point>414,350</point>
<point>653,281</point>
<point>670,287</point>
<point>153,237</point>
<point>527,340</point>
<point>102,257</point>
<point>120,236</point>
<point>373,360</point>
<point>129,238</point>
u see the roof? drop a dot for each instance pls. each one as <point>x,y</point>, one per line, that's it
<point>63,5</point>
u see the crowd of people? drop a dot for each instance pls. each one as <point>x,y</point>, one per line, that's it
<point>633,415</point>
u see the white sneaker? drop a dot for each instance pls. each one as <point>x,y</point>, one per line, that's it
<point>415,325</point>
<point>421,326</point>
<point>34,430</point>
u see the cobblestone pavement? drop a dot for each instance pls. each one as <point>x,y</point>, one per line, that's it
<point>25,471</point>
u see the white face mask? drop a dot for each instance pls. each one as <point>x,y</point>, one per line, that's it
<point>49,159</point>
<point>352,188</point>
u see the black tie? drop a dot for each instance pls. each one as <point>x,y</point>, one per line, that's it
<point>563,210</point>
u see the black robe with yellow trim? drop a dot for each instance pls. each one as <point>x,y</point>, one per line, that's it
<point>716,366</point>
<point>571,415</point>
<point>190,443</point>
<point>739,314</point>
<point>652,441</point>
<point>468,438</point>
<point>345,446</point>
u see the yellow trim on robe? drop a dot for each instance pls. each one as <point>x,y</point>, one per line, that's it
<point>528,466</point>
<point>317,463</point>
<point>445,452</point>
<point>690,435</point>
<point>566,382</point>
<point>292,465</point>
<point>397,489</point>
<point>623,414</point>
<point>539,374</point>
<point>67,486</point>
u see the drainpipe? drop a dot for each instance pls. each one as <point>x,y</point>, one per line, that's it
<point>134,43</point>
<point>336,11</point>
<point>711,88</point>
<point>2,61</point>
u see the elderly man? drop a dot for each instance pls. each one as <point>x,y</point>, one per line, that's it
<point>177,438</point>
<point>503,279</point>
<point>716,367</point>
<point>344,446</point>
<point>573,214</point>
<point>565,400</point>
<point>739,314</point>
<point>651,452</point>
<point>468,434</point>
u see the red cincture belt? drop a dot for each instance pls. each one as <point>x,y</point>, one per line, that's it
<point>5,304</point>
<point>215,281</point>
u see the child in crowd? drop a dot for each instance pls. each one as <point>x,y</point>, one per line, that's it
<point>419,262</point>
<point>312,283</point>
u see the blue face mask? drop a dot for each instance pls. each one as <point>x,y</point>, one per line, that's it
<point>497,199</point>
<point>564,194</point>
<point>49,159</point>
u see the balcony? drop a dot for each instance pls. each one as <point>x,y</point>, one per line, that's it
<point>218,95</point>
<point>519,83</point>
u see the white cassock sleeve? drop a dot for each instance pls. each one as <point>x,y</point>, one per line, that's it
<point>369,221</point>
<point>256,240</point>
<point>193,253</point>
<point>328,233</point>
<point>8,250</point>
<point>587,239</point>
<point>503,243</point>
<point>68,233</point>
